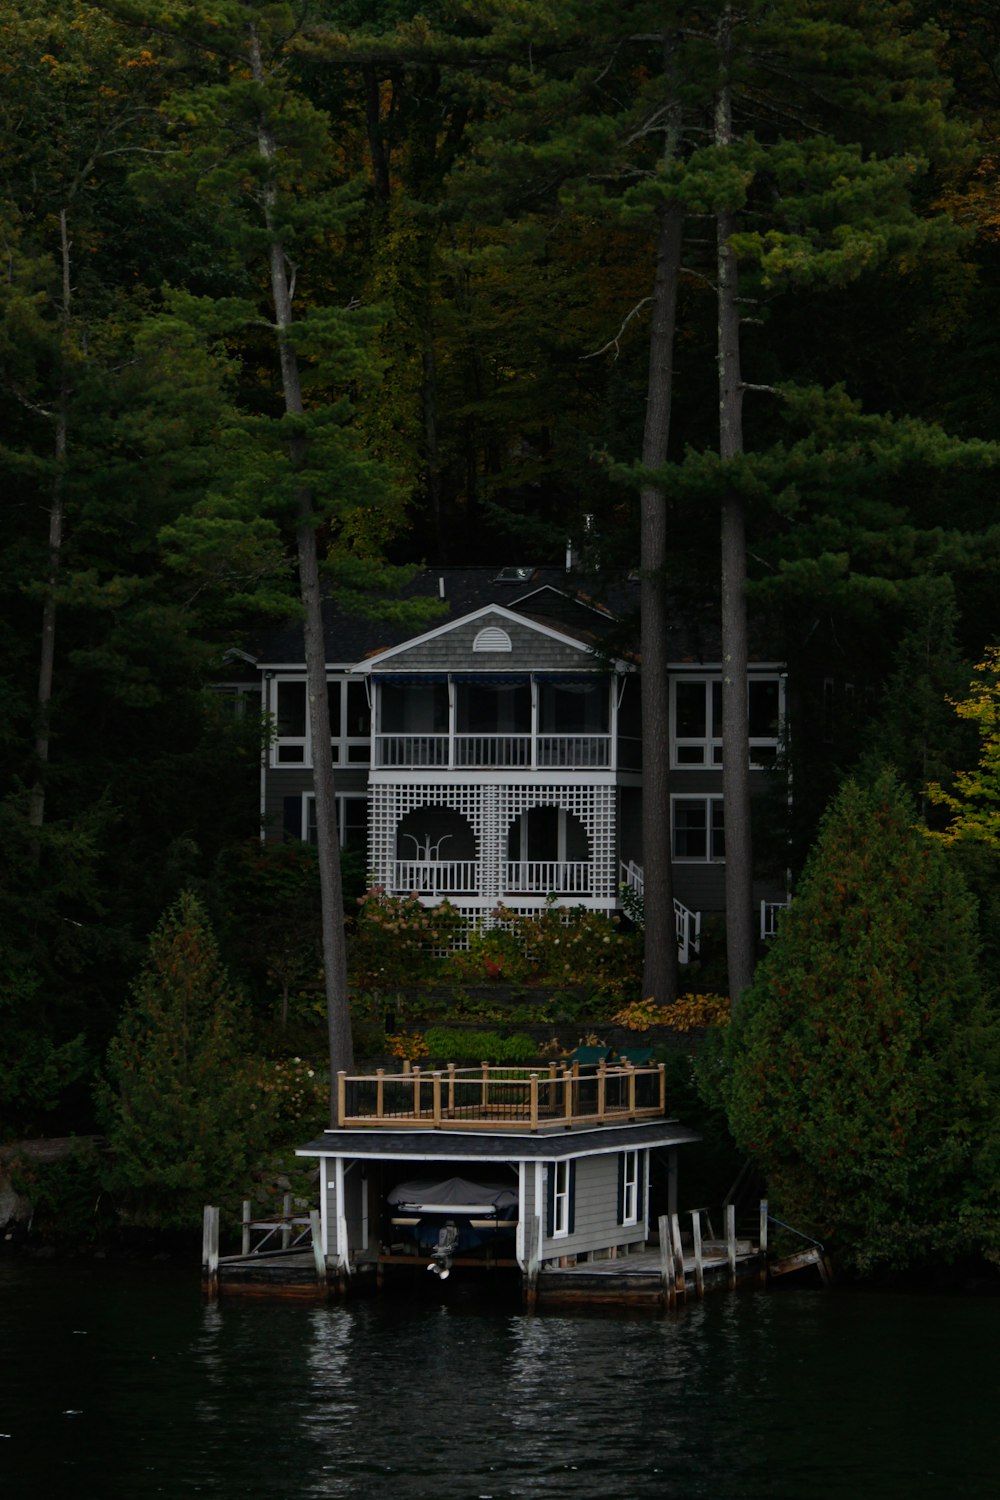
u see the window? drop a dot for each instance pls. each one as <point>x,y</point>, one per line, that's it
<point>696,709</point>
<point>573,707</point>
<point>560,1199</point>
<point>699,831</point>
<point>352,821</point>
<point>350,722</point>
<point>289,708</point>
<point>629,1194</point>
<point>413,708</point>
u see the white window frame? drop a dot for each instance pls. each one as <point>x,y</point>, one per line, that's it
<point>560,1199</point>
<point>708,799</point>
<point>710,743</point>
<point>630,1187</point>
<point>340,744</point>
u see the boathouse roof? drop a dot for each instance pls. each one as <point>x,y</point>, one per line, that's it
<point>545,1144</point>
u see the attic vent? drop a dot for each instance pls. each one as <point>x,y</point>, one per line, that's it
<point>492,638</point>
<point>513,575</point>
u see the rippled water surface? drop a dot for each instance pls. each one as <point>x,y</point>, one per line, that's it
<point>119,1381</point>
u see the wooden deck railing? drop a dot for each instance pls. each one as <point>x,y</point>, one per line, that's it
<point>488,1098</point>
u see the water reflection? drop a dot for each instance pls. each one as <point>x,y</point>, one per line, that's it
<point>120,1382</point>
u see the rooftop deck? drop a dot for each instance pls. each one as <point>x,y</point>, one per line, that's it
<point>492,1098</point>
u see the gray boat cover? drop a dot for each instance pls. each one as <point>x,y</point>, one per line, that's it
<point>453,1194</point>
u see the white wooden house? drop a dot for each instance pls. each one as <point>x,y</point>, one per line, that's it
<point>494,757</point>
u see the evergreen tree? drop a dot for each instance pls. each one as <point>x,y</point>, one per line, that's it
<point>185,1115</point>
<point>865,1059</point>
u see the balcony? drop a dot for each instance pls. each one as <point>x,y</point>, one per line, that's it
<point>437,877</point>
<point>547,877</point>
<point>579,752</point>
<point>488,1098</point>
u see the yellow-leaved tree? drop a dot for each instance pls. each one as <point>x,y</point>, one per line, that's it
<point>974,801</point>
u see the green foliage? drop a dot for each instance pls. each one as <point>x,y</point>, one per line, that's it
<point>450,1044</point>
<point>67,1195</point>
<point>975,803</point>
<point>186,1116</point>
<point>864,1059</point>
<point>396,939</point>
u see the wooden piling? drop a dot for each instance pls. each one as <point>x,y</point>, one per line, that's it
<point>286,1220</point>
<point>666,1261</point>
<point>680,1280</point>
<point>317,1248</point>
<point>763,1242</point>
<point>210,1252</point>
<point>699,1267</point>
<point>246,1226</point>
<point>731,1243</point>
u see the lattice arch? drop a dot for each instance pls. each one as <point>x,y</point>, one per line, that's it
<point>592,806</point>
<point>490,810</point>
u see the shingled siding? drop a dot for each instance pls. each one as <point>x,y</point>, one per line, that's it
<point>452,651</point>
<point>595,1225</point>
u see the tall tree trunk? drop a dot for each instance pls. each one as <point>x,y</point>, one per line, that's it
<point>740,945</point>
<point>47,653</point>
<point>327,842</point>
<point>659,977</point>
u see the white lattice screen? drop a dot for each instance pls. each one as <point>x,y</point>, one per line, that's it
<point>491,810</point>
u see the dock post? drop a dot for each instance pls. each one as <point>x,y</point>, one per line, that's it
<point>286,1220</point>
<point>341,1097</point>
<point>210,1252</point>
<point>246,1226</point>
<point>731,1242</point>
<point>699,1268</point>
<point>666,1261</point>
<point>678,1248</point>
<point>532,1260</point>
<point>763,1242</point>
<point>317,1246</point>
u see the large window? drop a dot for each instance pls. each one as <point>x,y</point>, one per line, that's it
<point>350,722</point>
<point>699,832</point>
<point>696,715</point>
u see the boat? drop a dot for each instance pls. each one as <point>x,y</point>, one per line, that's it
<point>449,1216</point>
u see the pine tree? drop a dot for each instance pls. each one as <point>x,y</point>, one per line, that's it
<point>865,1059</point>
<point>185,1115</point>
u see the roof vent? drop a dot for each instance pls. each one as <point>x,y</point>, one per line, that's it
<point>492,638</point>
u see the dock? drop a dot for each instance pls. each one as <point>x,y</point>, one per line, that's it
<point>656,1276</point>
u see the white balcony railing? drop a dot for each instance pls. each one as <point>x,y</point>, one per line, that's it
<point>542,877</point>
<point>546,751</point>
<point>493,750</point>
<point>412,750</point>
<point>437,877</point>
<point>579,751</point>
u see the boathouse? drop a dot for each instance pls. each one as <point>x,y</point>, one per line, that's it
<point>493,1167</point>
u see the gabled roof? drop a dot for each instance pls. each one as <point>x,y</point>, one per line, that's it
<point>393,654</point>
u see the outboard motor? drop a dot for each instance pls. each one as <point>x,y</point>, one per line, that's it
<point>443,1251</point>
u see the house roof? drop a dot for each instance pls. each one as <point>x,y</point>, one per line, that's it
<point>575,606</point>
<point>454,1145</point>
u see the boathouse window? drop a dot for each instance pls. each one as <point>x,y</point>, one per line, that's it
<point>352,820</point>
<point>699,831</point>
<point>629,1196</point>
<point>562,1184</point>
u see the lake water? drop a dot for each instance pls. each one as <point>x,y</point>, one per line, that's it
<point>117,1380</point>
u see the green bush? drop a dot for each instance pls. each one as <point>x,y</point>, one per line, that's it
<point>449,1044</point>
<point>865,1061</point>
<point>186,1116</point>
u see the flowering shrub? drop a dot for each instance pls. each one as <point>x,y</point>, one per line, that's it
<point>576,948</point>
<point>396,939</point>
<point>297,1091</point>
